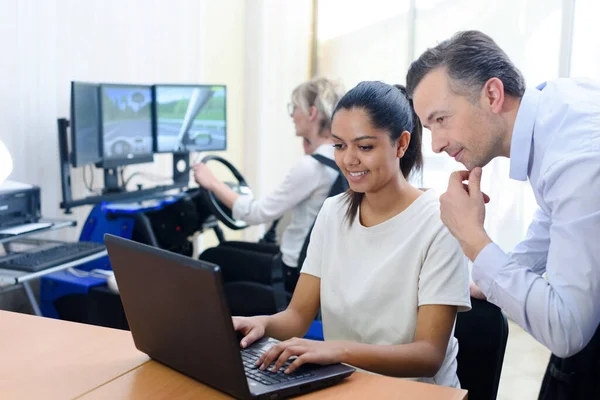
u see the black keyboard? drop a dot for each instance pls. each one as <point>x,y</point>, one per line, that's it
<point>37,260</point>
<point>251,356</point>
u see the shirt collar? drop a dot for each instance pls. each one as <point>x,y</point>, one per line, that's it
<point>522,136</point>
<point>325,149</point>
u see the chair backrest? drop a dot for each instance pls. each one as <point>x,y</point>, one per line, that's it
<point>482,334</point>
<point>340,185</point>
<point>252,275</point>
<point>246,299</point>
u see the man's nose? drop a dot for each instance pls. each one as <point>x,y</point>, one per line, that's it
<point>438,142</point>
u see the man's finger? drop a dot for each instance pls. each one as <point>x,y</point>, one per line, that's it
<point>475,182</point>
<point>456,179</point>
<point>486,198</point>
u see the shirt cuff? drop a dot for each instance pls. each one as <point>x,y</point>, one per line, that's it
<point>486,267</point>
<point>241,207</point>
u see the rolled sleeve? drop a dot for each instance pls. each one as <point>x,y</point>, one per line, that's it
<point>297,185</point>
<point>241,207</point>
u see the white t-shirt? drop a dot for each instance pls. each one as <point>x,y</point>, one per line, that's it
<point>303,190</point>
<point>374,279</point>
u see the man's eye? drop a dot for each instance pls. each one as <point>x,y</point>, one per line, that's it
<point>366,148</point>
<point>440,119</point>
<point>338,145</point>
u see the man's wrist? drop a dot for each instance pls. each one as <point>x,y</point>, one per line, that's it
<point>473,246</point>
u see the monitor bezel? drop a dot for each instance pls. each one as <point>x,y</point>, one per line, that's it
<point>73,159</point>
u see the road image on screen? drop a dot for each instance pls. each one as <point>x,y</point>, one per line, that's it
<point>190,118</point>
<point>126,122</point>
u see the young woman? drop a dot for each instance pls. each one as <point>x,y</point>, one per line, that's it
<point>305,187</point>
<point>387,274</point>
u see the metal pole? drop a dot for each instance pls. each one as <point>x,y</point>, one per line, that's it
<point>566,38</point>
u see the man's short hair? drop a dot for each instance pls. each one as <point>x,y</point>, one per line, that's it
<point>470,58</point>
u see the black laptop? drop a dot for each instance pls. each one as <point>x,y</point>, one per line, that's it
<point>178,315</point>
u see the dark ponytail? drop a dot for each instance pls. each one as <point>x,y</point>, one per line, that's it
<point>413,157</point>
<point>389,109</point>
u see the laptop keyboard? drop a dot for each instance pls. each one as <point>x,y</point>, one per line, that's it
<point>251,356</point>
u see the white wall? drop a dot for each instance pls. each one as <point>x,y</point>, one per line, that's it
<point>277,60</point>
<point>47,43</point>
<point>370,42</point>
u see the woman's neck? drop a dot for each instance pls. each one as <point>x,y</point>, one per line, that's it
<point>323,138</point>
<point>386,203</point>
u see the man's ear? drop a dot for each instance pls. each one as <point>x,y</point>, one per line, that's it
<point>493,95</point>
<point>402,144</point>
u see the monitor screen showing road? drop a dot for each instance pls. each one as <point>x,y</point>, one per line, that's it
<point>126,122</point>
<point>190,118</point>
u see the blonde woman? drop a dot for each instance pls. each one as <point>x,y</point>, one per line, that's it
<point>303,190</point>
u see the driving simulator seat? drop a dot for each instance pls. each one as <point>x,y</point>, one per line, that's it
<point>253,273</point>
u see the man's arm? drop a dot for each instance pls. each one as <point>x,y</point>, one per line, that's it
<point>563,312</point>
<point>533,251</point>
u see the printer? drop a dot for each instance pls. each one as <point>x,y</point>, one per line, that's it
<point>19,204</point>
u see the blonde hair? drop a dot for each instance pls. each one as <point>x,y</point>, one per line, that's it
<point>322,93</point>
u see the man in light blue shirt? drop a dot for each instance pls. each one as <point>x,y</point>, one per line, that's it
<point>473,99</point>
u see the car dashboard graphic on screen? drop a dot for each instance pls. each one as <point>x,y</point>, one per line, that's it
<point>190,118</point>
<point>127,121</point>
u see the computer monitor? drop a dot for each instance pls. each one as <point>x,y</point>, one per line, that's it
<point>126,128</point>
<point>190,118</point>
<point>85,124</point>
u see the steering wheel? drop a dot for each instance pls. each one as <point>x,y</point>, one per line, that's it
<point>220,210</point>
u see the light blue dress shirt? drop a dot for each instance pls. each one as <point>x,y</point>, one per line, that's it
<point>556,144</point>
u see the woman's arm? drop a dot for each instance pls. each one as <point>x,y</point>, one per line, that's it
<point>423,357</point>
<point>205,178</point>
<point>293,321</point>
<point>299,315</point>
<point>298,184</point>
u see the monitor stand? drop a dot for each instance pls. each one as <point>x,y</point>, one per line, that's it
<point>181,168</point>
<point>111,181</point>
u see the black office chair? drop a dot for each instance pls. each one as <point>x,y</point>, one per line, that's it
<point>252,277</point>
<point>482,334</point>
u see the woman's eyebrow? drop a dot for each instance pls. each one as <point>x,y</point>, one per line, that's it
<point>356,139</point>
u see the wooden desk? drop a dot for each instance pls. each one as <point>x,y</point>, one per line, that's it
<point>50,359</point>
<point>155,381</point>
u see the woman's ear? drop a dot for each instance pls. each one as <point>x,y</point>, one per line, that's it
<point>402,144</point>
<point>313,113</point>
